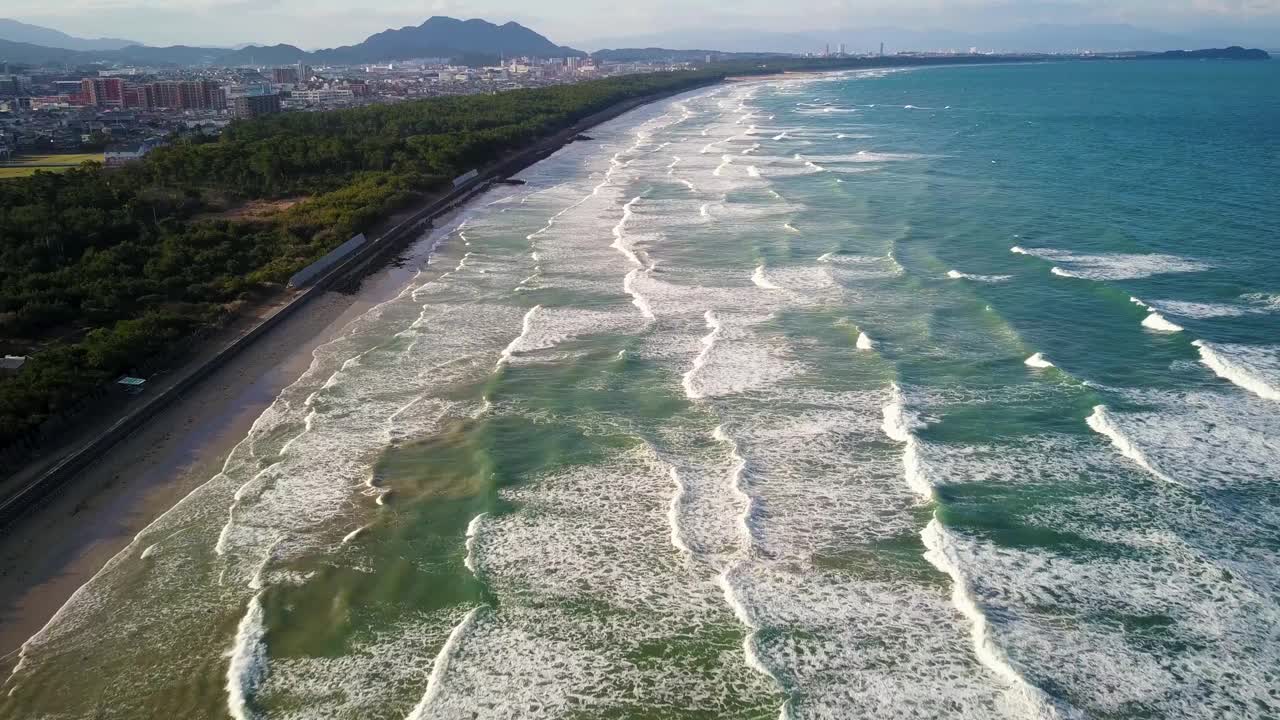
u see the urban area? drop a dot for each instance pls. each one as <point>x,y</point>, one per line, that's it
<point>52,118</point>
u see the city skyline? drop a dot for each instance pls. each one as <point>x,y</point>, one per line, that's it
<point>327,23</point>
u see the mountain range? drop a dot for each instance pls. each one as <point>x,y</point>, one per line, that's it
<point>475,41</point>
<point>479,42</point>
<point>15,31</point>
<point>1033,38</point>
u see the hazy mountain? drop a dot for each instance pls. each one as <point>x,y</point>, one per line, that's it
<point>1037,38</point>
<point>467,40</point>
<point>15,31</point>
<point>264,55</point>
<point>28,54</point>
<point>447,37</point>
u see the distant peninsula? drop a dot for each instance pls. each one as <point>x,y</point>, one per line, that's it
<point>1235,52</point>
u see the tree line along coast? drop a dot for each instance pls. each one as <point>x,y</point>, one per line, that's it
<point>104,270</point>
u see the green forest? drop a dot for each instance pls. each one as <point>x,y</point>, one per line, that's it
<point>105,269</point>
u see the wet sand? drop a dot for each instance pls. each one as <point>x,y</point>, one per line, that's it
<point>48,554</point>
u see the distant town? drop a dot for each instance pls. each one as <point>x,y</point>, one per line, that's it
<point>124,112</point>
<point>59,108</point>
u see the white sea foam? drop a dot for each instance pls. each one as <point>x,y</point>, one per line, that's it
<point>1266,301</point>
<point>1156,321</point>
<point>440,668</point>
<point>516,344</point>
<point>674,510</point>
<point>1112,266</point>
<point>900,425</point>
<point>1103,423</point>
<point>943,556</point>
<point>691,388</point>
<point>639,300</point>
<point>247,667</point>
<point>473,531</point>
<point>761,281</point>
<point>957,275</point>
<point>1252,367</point>
<point>1038,361</point>
<point>1202,310</point>
<point>865,342</point>
<point>737,485</point>
<point>619,232</point>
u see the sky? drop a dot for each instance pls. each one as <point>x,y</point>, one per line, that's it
<point>326,23</point>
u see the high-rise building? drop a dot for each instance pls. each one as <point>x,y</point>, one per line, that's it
<point>139,96</point>
<point>14,85</point>
<point>304,72</point>
<point>103,92</point>
<point>841,51</point>
<point>187,95</point>
<point>284,76</point>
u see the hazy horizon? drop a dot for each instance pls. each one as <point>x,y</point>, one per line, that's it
<point>326,23</point>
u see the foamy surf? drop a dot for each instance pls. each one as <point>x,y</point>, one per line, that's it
<point>750,651</point>
<point>957,275</point>
<point>1102,423</point>
<point>473,532</point>
<point>941,555</point>
<point>1038,361</point>
<point>637,299</point>
<point>440,667</point>
<point>761,281</point>
<point>526,329</point>
<point>247,666</point>
<point>689,381</point>
<point>864,342</point>
<point>1254,368</point>
<point>674,508</point>
<point>1156,321</point>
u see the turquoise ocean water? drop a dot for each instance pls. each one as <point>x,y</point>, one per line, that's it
<point>936,393</point>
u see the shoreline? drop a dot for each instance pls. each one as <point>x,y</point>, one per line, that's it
<point>61,543</point>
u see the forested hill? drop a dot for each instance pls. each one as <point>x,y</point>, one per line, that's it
<point>103,270</point>
<point>478,41</point>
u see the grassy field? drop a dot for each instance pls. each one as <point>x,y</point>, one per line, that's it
<point>29,164</point>
<point>70,159</point>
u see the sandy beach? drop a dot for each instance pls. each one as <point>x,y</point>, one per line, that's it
<point>47,555</point>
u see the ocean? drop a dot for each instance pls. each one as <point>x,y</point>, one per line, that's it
<point>944,392</point>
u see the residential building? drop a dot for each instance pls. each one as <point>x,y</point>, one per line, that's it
<point>251,106</point>
<point>103,92</point>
